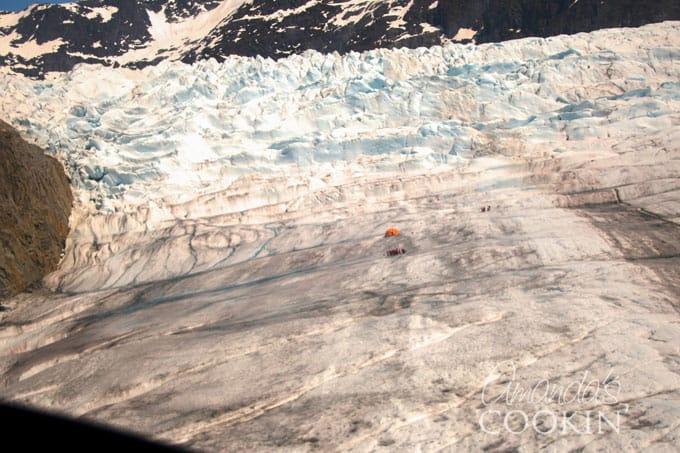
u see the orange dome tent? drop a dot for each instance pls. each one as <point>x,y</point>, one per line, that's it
<point>392,232</point>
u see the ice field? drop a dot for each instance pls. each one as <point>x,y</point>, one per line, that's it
<point>225,284</point>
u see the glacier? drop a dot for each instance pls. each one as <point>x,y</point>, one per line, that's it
<point>224,284</point>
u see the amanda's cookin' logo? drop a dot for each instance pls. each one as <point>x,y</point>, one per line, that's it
<point>582,406</point>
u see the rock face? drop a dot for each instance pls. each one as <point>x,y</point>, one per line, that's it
<point>500,20</point>
<point>35,205</point>
<point>138,33</point>
<point>282,28</point>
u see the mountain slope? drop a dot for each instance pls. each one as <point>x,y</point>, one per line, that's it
<point>35,205</point>
<point>136,33</point>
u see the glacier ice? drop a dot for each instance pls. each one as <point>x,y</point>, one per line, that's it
<point>174,118</point>
<point>156,139</point>
<point>225,272</point>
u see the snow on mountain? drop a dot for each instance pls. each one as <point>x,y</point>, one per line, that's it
<point>225,284</point>
<point>170,38</point>
<point>138,33</point>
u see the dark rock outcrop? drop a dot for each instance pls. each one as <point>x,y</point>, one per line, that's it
<point>358,26</point>
<point>35,205</point>
<point>107,31</point>
<point>501,20</point>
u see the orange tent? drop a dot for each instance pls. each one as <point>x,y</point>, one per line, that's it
<point>392,232</point>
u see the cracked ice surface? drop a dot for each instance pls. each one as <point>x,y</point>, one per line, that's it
<point>225,284</point>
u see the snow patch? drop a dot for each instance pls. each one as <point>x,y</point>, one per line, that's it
<point>103,12</point>
<point>464,33</point>
<point>9,19</point>
<point>400,12</point>
<point>283,13</point>
<point>429,28</point>
<point>29,49</point>
<point>353,12</point>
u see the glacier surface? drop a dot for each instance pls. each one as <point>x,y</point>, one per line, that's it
<point>224,284</point>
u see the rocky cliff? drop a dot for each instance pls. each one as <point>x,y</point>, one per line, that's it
<point>35,205</point>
